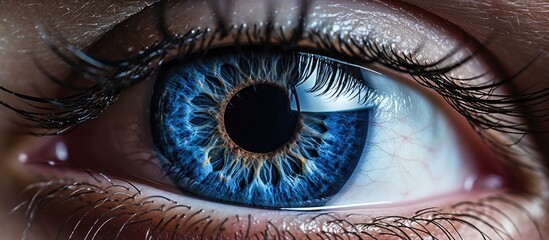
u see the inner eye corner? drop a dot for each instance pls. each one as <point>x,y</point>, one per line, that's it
<point>274,150</point>
<point>232,133</point>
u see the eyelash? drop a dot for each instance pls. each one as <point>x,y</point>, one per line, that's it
<point>118,194</point>
<point>64,114</point>
<point>68,112</point>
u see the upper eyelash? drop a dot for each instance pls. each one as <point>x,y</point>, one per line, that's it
<point>67,113</point>
<point>110,78</point>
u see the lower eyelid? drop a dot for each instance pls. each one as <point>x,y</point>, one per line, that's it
<point>107,207</point>
<point>264,222</point>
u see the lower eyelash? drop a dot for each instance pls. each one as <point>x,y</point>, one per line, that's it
<point>112,206</point>
<point>66,113</point>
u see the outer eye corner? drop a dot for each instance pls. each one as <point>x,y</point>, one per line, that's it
<point>239,129</point>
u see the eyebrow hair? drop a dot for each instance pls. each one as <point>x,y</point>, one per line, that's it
<point>88,22</point>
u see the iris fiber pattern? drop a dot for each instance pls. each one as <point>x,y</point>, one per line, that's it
<point>188,105</point>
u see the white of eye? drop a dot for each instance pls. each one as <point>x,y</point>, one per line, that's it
<point>413,151</point>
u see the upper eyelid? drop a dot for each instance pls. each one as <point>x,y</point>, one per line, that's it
<point>181,38</point>
<point>222,23</point>
<point>157,50</point>
<point>110,96</point>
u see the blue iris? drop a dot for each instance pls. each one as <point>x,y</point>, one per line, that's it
<point>189,128</point>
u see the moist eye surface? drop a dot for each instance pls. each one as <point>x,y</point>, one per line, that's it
<point>228,132</point>
<point>259,119</point>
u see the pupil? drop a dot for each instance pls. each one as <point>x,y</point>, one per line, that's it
<point>258,118</point>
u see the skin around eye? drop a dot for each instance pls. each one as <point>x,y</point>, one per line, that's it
<point>130,128</point>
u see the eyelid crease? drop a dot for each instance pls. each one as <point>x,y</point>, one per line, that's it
<point>530,99</point>
<point>110,78</point>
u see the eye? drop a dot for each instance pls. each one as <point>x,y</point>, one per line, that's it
<point>285,130</point>
<point>290,128</point>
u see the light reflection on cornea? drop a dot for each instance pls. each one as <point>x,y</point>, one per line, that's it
<point>61,151</point>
